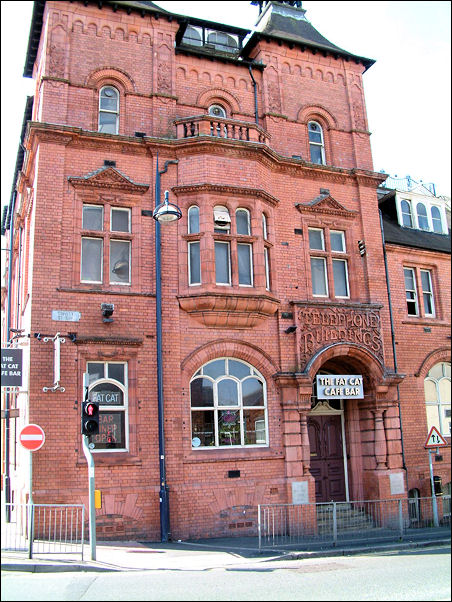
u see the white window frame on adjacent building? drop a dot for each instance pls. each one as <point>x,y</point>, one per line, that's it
<point>316,143</point>
<point>427,293</point>
<point>113,416</point>
<point>228,399</point>
<point>411,291</point>
<point>426,215</point>
<point>437,387</point>
<point>419,285</point>
<point>109,110</point>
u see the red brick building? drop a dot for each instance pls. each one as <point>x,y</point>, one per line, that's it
<point>280,383</point>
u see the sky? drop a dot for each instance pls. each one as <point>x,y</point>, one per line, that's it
<point>408,90</point>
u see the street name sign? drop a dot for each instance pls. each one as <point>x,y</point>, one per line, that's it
<point>32,437</point>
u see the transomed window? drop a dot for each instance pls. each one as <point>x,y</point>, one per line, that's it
<point>437,398</point>
<point>108,386</point>
<point>102,239</point>
<point>109,110</point>
<point>329,259</point>
<point>228,405</point>
<point>316,143</point>
<point>419,286</point>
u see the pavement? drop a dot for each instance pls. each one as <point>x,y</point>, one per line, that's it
<point>198,555</point>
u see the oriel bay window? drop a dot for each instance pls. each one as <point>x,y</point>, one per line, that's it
<point>108,386</point>
<point>106,245</point>
<point>329,263</point>
<point>228,405</point>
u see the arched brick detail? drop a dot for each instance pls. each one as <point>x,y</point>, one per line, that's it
<point>435,357</point>
<point>229,348</point>
<point>110,75</point>
<point>220,96</point>
<point>317,113</point>
<point>358,353</point>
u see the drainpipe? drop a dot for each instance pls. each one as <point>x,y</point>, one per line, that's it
<point>394,351</point>
<point>8,339</point>
<point>256,106</point>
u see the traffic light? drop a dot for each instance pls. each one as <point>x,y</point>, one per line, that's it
<point>90,418</point>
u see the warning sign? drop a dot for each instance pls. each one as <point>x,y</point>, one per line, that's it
<point>435,439</point>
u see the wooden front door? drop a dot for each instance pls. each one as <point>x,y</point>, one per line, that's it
<point>327,458</point>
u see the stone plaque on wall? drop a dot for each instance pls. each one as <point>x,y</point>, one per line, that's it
<point>321,325</point>
<point>300,493</point>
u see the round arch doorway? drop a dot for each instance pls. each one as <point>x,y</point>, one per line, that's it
<point>328,448</point>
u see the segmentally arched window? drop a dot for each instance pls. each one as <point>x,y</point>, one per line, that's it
<point>109,110</point>
<point>316,143</point>
<point>437,398</point>
<point>228,406</point>
<point>422,217</point>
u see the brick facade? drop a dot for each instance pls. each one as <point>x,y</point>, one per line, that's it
<point>264,168</point>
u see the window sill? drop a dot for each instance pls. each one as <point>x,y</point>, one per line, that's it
<point>421,321</point>
<point>201,456</point>
<point>114,458</point>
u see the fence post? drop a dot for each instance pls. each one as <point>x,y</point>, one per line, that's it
<point>31,520</point>
<point>259,526</point>
<point>334,523</point>
<point>401,519</point>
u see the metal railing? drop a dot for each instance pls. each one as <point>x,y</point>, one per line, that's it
<point>43,529</point>
<point>350,522</point>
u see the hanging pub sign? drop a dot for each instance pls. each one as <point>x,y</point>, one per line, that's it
<point>337,386</point>
<point>11,367</point>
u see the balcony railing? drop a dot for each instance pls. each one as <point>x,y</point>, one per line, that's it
<point>228,129</point>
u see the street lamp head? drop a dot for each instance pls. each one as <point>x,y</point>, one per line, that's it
<point>167,212</point>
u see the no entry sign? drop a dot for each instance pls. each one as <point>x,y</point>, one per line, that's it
<point>32,437</point>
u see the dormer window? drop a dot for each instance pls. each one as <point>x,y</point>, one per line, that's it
<point>212,39</point>
<point>407,217</point>
<point>422,218</point>
<point>427,215</point>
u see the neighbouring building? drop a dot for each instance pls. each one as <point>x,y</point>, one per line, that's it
<point>276,378</point>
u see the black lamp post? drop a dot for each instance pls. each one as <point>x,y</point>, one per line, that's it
<point>164,213</point>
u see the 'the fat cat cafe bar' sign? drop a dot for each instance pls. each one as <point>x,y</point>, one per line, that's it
<point>333,386</point>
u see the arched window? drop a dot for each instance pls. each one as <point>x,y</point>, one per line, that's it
<point>193,36</point>
<point>217,111</point>
<point>407,218</point>
<point>194,248</point>
<point>437,398</point>
<point>109,110</point>
<point>228,405</point>
<point>242,218</point>
<point>422,218</point>
<point>437,221</point>
<point>193,220</point>
<point>316,143</point>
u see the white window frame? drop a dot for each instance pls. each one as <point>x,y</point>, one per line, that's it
<point>440,404</point>
<point>240,407</point>
<point>322,232</point>
<point>129,280</point>
<point>191,210</point>
<point>124,408</point>
<point>264,227</point>
<point>405,213</point>
<point>325,277</point>
<point>107,111</point>
<point>251,274</point>
<point>342,235</point>
<point>414,291</point>
<point>190,245</point>
<point>129,219</point>
<point>347,282</point>
<point>320,145</point>
<point>428,293</point>
<point>426,216</point>
<point>101,240</point>
<point>267,268</point>
<point>248,222</point>
<point>92,206</point>
<point>228,245</point>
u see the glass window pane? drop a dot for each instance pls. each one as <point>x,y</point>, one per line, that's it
<point>340,278</point>
<point>203,429</point>
<point>95,371</point>
<point>117,372</point>
<point>193,220</point>
<point>201,391</point>
<point>422,216</point>
<point>267,269</point>
<point>120,261</point>
<point>426,282</point>
<point>338,242</point>
<point>112,434</point>
<point>318,272</point>
<point>316,240</point>
<point>316,154</point>
<point>108,123</point>
<point>228,393</point>
<point>437,371</point>
<point>428,305</point>
<point>446,421</point>
<point>430,391</point>
<point>409,280</point>
<point>222,266</point>
<point>407,219</point>
<point>244,261</point>
<point>215,369</point>
<point>255,431</point>
<point>243,222</point>
<point>446,368</point>
<point>109,99</point>
<point>444,390</point>
<point>91,267</point>
<point>107,394</point>
<point>433,417</point>
<point>252,392</point>
<point>229,428</point>
<point>239,369</point>
<point>93,218</point>
<point>264,226</point>
<point>120,220</point>
<point>436,219</point>
<point>194,263</point>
